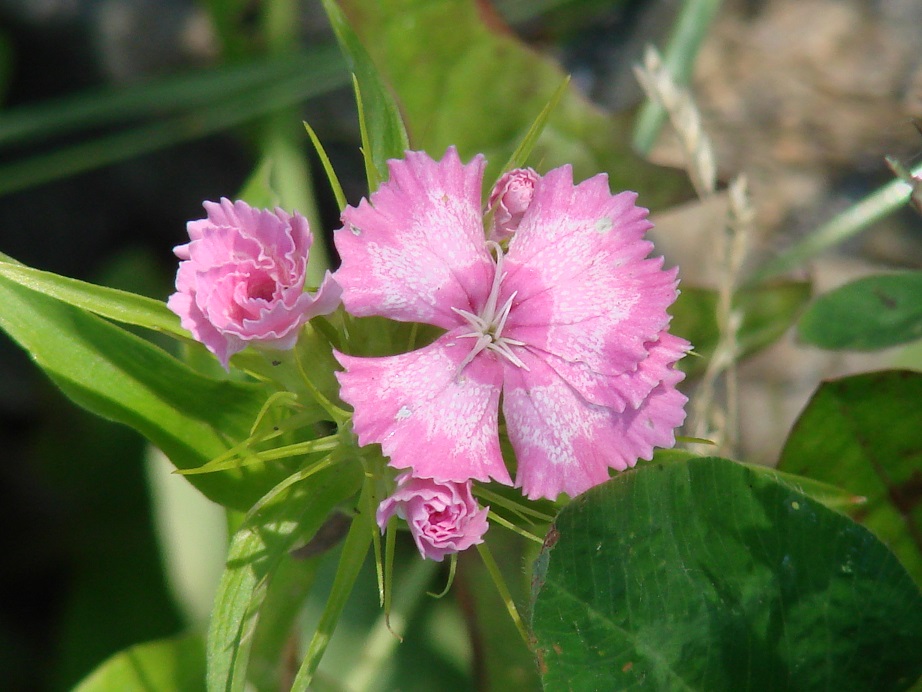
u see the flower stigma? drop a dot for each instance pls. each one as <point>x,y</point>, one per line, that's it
<point>487,327</point>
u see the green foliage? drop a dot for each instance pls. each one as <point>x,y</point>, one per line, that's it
<point>867,314</point>
<point>288,520</point>
<point>382,125</point>
<point>864,433</point>
<point>708,576</point>
<point>167,664</point>
<point>768,312</point>
<point>463,81</point>
<point>121,306</point>
<point>120,376</point>
<point>157,115</point>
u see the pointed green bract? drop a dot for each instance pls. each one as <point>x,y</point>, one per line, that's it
<point>332,178</point>
<point>864,433</point>
<point>870,313</point>
<point>387,136</point>
<point>708,576</point>
<point>523,151</point>
<point>373,174</point>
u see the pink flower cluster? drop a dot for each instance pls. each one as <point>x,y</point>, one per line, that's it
<point>554,314</point>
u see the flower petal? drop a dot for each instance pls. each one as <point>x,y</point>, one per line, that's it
<point>585,291</point>
<point>628,389</point>
<point>426,417</point>
<point>417,250</point>
<point>564,443</point>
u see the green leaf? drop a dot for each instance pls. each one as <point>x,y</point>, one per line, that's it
<point>466,82</point>
<point>121,306</point>
<point>864,433</point>
<point>387,135</point>
<point>166,664</point>
<point>332,178</point>
<point>768,311</point>
<point>708,576</point>
<point>120,376</point>
<point>525,147</point>
<point>350,564</point>
<point>867,314</point>
<point>257,551</point>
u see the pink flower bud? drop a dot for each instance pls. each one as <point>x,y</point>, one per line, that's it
<point>444,517</point>
<point>241,279</point>
<point>511,196</point>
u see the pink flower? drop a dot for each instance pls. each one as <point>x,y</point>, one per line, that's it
<point>241,280</point>
<point>570,325</point>
<point>510,198</point>
<point>443,517</point>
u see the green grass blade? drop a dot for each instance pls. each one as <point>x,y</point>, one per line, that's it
<point>523,151</point>
<point>234,110</point>
<point>689,32</point>
<point>156,98</point>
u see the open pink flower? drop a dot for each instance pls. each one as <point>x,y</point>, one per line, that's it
<point>570,325</point>
<point>241,280</point>
<point>443,517</point>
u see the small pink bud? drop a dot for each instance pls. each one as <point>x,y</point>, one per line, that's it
<point>444,518</point>
<point>509,200</point>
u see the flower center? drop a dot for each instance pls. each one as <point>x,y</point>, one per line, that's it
<point>487,327</point>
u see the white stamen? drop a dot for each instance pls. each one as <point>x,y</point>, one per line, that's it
<point>487,327</point>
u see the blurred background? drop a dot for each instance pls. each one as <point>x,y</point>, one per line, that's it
<point>119,117</point>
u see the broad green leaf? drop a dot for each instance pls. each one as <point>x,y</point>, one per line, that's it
<point>120,376</point>
<point>864,433</point>
<point>867,314</point>
<point>166,664</point>
<point>121,306</point>
<point>258,549</point>
<point>708,576</point>
<point>768,311</point>
<point>464,81</point>
<point>830,495</point>
<point>387,136</point>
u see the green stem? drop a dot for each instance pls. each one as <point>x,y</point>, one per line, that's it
<point>504,593</point>
<point>350,563</point>
<point>384,636</point>
<point>851,222</point>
